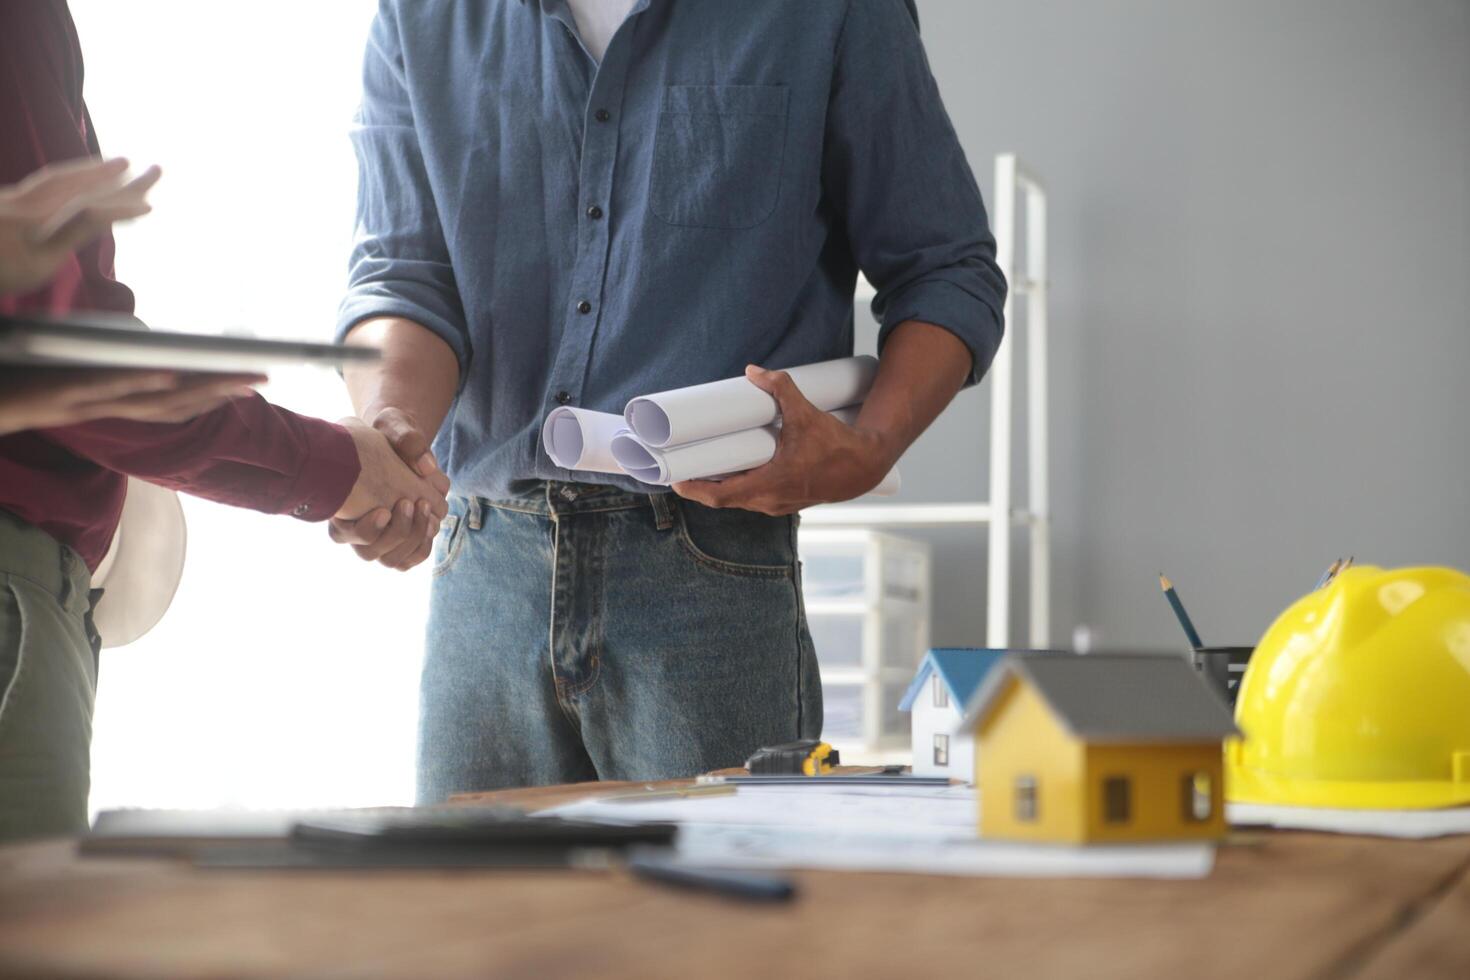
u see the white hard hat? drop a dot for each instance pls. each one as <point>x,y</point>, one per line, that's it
<point>141,571</point>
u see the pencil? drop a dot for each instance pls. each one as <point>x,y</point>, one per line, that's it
<point>1173,597</point>
<point>1327,575</point>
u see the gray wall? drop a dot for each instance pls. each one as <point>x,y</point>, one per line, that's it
<point>1260,246</point>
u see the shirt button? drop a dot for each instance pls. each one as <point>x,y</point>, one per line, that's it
<point>602,115</point>
<point>562,397</point>
<point>584,307</point>
<point>300,510</point>
<point>594,212</point>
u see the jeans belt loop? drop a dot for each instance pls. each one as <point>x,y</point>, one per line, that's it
<point>663,510</point>
<point>472,514</point>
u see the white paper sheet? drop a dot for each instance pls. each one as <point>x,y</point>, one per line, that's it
<point>683,415</point>
<point>948,813</point>
<point>919,830</point>
<point>581,439</point>
<point>717,456</point>
<point>713,846</point>
<point>1415,824</point>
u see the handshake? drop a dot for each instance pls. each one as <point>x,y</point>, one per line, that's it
<point>395,507</point>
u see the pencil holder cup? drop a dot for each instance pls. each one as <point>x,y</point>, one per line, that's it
<point>1223,667</point>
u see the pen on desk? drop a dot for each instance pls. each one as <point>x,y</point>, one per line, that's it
<point>732,884</point>
<point>1327,575</point>
<point>1194,641</point>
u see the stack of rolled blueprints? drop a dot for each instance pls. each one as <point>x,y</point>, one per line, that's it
<point>705,431</point>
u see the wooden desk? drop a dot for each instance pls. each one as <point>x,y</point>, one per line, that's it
<point>1283,905</point>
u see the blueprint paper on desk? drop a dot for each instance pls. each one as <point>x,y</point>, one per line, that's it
<point>917,830</point>
<point>937,812</point>
<point>768,847</point>
<point>1412,824</point>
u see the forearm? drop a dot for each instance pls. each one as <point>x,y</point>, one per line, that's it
<point>923,367</point>
<point>418,373</point>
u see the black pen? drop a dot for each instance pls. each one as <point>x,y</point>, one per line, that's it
<point>733,884</point>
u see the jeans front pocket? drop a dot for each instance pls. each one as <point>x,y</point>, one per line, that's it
<point>451,539</point>
<point>736,542</point>
<point>717,156</point>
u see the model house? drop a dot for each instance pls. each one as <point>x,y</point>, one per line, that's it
<point>936,699</point>
<point>1098,748</point>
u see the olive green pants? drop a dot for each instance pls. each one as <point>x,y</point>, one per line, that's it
<point>48,680</point>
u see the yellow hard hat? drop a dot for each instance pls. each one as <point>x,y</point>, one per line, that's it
<point>1358,697</point>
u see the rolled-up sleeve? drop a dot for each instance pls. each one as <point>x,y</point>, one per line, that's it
<point>400,264</point>
<point>894,170</point>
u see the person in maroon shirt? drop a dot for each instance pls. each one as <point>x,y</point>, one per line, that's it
<point>62,489</point>
<point>43,220</point>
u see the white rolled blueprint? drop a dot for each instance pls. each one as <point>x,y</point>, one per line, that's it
<point>581,439</point>
<point>715,457</point>
<point>693,414</point>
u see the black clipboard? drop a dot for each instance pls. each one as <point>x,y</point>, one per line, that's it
<point>99,340</point>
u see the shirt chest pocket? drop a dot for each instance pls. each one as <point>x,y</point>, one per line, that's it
<point>717,156</point>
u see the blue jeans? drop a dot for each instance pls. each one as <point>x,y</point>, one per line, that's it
<point>582,632</point>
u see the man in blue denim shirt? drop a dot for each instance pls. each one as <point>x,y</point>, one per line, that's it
<point>541,226</point>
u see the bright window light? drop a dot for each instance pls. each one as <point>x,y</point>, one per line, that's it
<point>286,672</point>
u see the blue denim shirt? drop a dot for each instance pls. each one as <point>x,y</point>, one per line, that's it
<point>581,234</point>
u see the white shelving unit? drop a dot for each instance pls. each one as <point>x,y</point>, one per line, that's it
<point>867,601</point>
<point>1000,512</point>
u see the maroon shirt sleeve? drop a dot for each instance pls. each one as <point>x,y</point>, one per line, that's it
<point>247,454</point>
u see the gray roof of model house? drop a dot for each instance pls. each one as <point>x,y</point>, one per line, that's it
<point>1114,697</point>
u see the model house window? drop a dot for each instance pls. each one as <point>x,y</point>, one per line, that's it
<point>1026,808</point>
<point>941,750</point>
<point>1196,797</point>
<point>941,693</point>
<point>1117,799</point>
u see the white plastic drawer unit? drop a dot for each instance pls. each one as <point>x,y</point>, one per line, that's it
<point>867,605</point>
<point>842,713</point>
